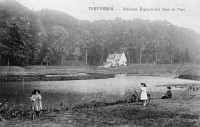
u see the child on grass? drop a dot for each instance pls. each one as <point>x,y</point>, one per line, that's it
<point>144,93</point>
<point>36,102</point>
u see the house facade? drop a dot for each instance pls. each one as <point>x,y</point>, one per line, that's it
<point>117,59</point>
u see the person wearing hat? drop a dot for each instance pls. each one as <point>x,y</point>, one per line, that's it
<point>168,94</point>
<point>36,102</point>
<point>144,93</point>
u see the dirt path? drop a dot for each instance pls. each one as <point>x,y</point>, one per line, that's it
<point>181,111</point>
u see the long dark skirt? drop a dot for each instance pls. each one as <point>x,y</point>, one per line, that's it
<point>165,97</point>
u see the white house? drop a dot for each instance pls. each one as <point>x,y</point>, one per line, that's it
<point>116,59</point>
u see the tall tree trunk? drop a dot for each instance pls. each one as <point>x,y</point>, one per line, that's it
<point>94,61</point>
<point>8,62</point>
<point>163,52</point>
<point>171,58</point>
<point>140,56</point>
<point>62,60</point>
<point>156,54</point>
<point>102,57</point>
<point>76,59</point>
<point>129,59</point>
<point>86,54</point>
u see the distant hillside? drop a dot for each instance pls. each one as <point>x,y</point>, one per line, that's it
<point>52,37</point>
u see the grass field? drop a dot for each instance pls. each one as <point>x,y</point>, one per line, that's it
<point>152,69</point>
<point>180,111</point>
<point>145,69</point>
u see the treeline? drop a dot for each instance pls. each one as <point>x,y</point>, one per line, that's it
<point>51,37</point>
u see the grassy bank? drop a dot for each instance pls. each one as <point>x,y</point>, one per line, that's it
<point>181,111</point>
<point>191,73</point>
<point>43,70</point>
<point>52,73</point>
<point>54,77</point>
<point>130,69</point>
<point>161,69</point>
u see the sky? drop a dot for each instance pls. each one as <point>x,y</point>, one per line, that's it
<point>185,13</point>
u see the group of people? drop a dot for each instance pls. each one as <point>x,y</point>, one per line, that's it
<point>144,97</point>
<point>36,98</point>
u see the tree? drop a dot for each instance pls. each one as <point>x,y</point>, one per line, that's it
<point>186,56</point>
<point>156,45</point>
<point>94,54</point>
<point>142,42</point>
<point>5,50</point>
<point>49,57</point>
<point>15,46</point>
<point>88,43</point>
<point>27,37</point>
<point>77,53</point>
<point>40,38</point>
<point>60,42</point>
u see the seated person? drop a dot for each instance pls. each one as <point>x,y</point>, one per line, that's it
<point>168,94</point>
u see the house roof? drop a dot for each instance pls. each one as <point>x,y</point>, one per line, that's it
<point>112,56</point>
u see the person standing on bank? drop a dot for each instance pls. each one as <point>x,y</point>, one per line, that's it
<point>144,93</point>
<point>36,102</point>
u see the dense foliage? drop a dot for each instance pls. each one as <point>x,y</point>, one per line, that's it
<point>51,37</point>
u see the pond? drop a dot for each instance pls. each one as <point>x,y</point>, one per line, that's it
<point>77,91</point>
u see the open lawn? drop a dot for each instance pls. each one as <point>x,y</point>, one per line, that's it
<point>143,69</point>
<point>41,70</point>
<point>182,110</point>
<point>154,69</point>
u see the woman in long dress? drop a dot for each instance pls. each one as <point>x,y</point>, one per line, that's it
<point>144,93</point>
<point>168,94</point>
<point>36,102</point>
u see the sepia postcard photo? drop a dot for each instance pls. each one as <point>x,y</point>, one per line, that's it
<point>99,63</point>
